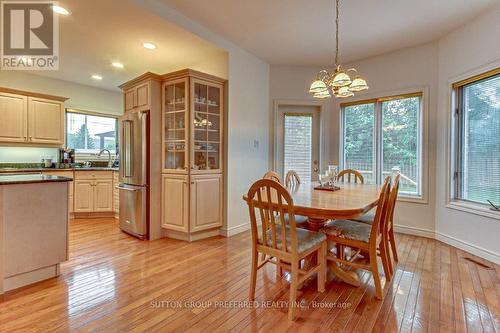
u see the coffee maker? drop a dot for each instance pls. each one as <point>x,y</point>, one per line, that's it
<point>66,156</point>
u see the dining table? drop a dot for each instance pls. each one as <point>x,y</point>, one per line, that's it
<point>351,200</point>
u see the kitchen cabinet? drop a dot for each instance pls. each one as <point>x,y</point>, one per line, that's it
<point>93,191</point>
<point>45,121</point>
<point>138,97</point>
<point>31,118</point>
<point>175,214</point>
<point>192,153</point>
<point>14,110</point>
<point>116,194</point>
<point>206,202</point>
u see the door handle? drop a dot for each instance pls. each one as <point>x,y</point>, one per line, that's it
<point>127,189</point>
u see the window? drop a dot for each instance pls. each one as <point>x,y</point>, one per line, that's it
<point>477,139</point>
<point>88,133</point>
<point>298,144</point>
<point>383,135</point>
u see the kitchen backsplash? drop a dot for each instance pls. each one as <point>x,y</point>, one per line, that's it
<point>26,154</point>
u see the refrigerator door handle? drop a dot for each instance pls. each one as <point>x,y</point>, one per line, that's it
<point>127,148</point>
<point>127,189</point>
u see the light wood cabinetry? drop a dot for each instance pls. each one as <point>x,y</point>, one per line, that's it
<point>93,191</point>
<point>192,158</point>
<point>206,202</point>
<point>14,110</point>
<point>137,97</point>
<point>187,115</point>
<point>31,118</point>
<point>45,121</point>
<point>175,214</point>
<point>116,193</point>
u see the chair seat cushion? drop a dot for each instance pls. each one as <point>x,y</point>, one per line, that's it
<point>305,239</point>
<point>300,220</point>
<point>348,230</point>
<point>367,218</point>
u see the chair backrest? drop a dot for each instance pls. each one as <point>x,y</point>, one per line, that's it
<point>356,175</point>
<point>393,197</point>
<point>292,178</point>
<point>380,218</point>
<point>273,176</point>
<point>272,215</point>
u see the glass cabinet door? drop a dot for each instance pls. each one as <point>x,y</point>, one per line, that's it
<point>175,110</point>
<point>207,126</point>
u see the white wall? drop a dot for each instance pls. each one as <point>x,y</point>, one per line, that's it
<point>80,97</point>
<point>248,115</point>
<point>386,74</point>
<point>472,49</point>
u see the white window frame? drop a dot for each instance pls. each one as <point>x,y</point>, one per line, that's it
<point>90,156</point>
<point>377,99</point>
<point>452,201</point>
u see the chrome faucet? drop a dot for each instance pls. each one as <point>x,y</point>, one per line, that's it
<point>110,164</point>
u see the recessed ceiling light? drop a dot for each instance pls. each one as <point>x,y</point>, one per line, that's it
<point>60,10</point>
<point>96,77</point>
<point>117,64</point>
<point>149,46</point>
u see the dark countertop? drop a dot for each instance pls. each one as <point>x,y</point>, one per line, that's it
<point>17,170</point>
<point>31,178</point>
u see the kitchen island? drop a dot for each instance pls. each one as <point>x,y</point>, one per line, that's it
<point>33,228</point>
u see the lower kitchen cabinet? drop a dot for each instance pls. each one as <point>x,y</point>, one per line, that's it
<point>93,191</point>
<point>68,174</point>
<point>116,193</point>
<point>193,203</point>
<point>175,205</point>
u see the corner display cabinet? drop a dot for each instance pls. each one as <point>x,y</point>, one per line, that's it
<point>192,154</point>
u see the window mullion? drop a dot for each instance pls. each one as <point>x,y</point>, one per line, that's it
<point>377,147</point>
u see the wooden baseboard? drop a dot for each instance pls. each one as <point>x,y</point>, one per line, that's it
<point>93,215</point>
<point>24,279</point>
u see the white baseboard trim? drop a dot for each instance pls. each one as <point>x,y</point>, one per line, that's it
<point>468,247</point>
<point>231,231</point>
<point>455,242</point>
<point>415,231</point>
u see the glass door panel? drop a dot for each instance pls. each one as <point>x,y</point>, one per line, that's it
<point>206,126</point>
<point>175,126</point>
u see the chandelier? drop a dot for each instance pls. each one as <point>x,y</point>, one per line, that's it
<point>338,83</point>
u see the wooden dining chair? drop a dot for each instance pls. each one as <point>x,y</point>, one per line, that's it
<point>284,244</point>
<point>362,237</point>
<point>292,178</point>
<point>273,176</point>
<point>300,220</point>
<point>389,232</point>
<point>356,175</point>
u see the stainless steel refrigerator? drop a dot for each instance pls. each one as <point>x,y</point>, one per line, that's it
<point>134,174</point>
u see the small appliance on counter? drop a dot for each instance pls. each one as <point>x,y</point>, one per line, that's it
<point>66,158</point>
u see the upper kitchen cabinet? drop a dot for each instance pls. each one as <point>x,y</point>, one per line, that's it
<point>192,122</point>
<point>14,109</point>
<point>31,118</point>
<point>137,93</point>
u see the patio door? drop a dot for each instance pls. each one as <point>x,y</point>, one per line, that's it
<point>298,141</point>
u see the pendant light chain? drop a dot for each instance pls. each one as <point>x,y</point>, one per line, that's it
<point>337,34</point>
<point>338,83</point>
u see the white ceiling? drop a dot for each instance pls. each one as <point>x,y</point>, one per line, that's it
<point>301,32</point>
<point>99,32</point>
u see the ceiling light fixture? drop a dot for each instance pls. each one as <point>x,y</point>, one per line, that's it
<point>338,83</point>
<point>149,46</point>
<point>117,64</point>
<point>96,77</point>
<point>60,10</point>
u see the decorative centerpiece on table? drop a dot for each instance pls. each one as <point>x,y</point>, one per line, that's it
<point>328,181</point>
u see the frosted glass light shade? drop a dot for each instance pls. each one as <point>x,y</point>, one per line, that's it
<point>317,87</point>
<point>344,92</point>
<point>322,94</point>
<point>358,84</point>
<point>341,79</point>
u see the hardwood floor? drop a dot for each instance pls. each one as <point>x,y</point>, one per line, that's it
<point>115,283</point>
